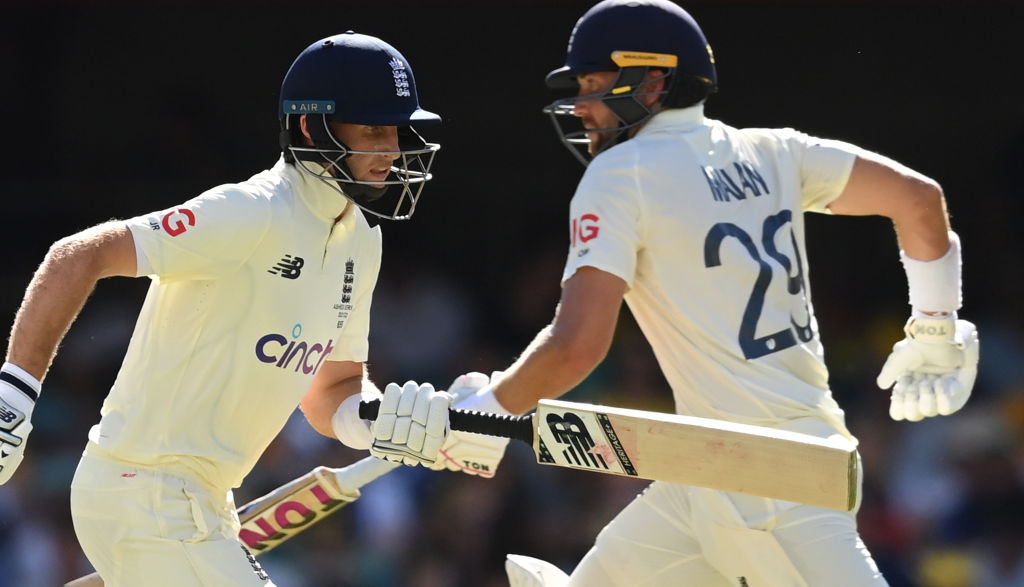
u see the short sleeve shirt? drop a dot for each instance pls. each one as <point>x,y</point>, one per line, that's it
<point>704,222</point>
<point>254,286</point>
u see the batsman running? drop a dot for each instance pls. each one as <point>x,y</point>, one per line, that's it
<point>699,227</point>
<point>260,299</point>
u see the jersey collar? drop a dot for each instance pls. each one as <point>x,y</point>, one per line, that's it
<point>676,119</point>
<point>325,202</point>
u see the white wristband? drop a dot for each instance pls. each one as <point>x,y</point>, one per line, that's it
<point>24,382</point>
<point>351,430</point>
<point>935,286</point>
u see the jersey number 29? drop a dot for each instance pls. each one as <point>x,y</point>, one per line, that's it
<point>752,345</point>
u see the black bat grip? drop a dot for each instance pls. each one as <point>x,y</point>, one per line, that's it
<point>514,427</point>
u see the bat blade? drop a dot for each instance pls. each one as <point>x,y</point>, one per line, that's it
<point>710,453</point>
<point>698,451</point>
<point>269,520</point>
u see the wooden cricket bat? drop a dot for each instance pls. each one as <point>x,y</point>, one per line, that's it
<point>277,516</point>
<point>680,449</point>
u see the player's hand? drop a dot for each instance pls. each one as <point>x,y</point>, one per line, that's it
<point>411,425</point>
<point>474,454</point>
<point>16,404</point>
<point>933,368</point>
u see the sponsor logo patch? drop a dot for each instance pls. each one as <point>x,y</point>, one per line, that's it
<point>288,267</point>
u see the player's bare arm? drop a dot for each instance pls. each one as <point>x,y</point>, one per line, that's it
<point>932,370</point>
<point>54,297</point>
<point>60,287</point>
<point>567,350</point>
<point>334,383</point>
<point>914,202</point>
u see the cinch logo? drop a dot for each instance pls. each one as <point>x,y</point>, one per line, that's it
<point>173,224</point>
<point>584,228</point>
<point>293,354</point>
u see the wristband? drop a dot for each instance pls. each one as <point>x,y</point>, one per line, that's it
<point>351,430</point>
<point>24,382</point>
<point>935,286</point>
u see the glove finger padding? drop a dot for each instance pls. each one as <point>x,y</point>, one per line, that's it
<point>412,424</point>
<point>911,398</point>
<point>13,455</point>
<point>929,391</point>
<point>931,375</point>
<point>384,426</point>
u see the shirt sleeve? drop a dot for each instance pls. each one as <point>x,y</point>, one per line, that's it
<point>605,216</point>
<point>825,166</point>
<point>207,236</point>
<point>353,341</point>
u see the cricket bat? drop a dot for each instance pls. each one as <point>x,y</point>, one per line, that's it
<point>756,460</point>
<point>277,516</point>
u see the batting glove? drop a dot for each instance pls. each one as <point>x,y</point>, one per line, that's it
<point>473,454</point>
<point>411,425</point>
<point>18,394</point>
<point>933,368</point>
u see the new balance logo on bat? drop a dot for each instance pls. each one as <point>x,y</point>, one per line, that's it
<point>289,267</point>
<point>571,432</point>
<point>584,441</point>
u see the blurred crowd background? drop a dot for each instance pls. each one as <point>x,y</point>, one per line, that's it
<point>114,109</point>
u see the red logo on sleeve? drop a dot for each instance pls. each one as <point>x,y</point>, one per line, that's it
<point>174,221</point>
<point>584,228</point>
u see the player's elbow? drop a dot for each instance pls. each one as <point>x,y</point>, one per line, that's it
<point>924,201</point>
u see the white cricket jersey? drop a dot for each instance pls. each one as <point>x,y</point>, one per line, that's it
<point>705,224</point>
<point>254,286</point>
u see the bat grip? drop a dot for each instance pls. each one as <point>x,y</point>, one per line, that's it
<point>514,427</point>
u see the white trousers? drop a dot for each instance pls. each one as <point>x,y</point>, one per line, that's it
<point>156,526</point>
<point>679,535</point>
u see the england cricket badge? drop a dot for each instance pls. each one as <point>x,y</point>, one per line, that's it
<point>348,280</point>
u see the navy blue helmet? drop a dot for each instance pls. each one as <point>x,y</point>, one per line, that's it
<point>356,79</point>
<point>633,37</point>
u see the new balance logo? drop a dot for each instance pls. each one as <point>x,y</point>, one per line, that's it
<point>289,267</point>
<point>9,415</point>
<point>571,432</point>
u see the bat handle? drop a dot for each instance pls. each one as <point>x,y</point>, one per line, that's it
<point>361,472</point>
<point>514,427</point>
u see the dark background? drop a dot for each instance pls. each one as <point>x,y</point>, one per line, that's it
<point>113,109</point>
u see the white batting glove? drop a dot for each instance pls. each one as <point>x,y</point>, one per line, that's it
<point>933,368</point>
<point>411,425</point>
<point>473,454</point>
<point>18,394</point>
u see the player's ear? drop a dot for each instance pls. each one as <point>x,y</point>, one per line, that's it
<point>304,127</point>
<point>652,87</point>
